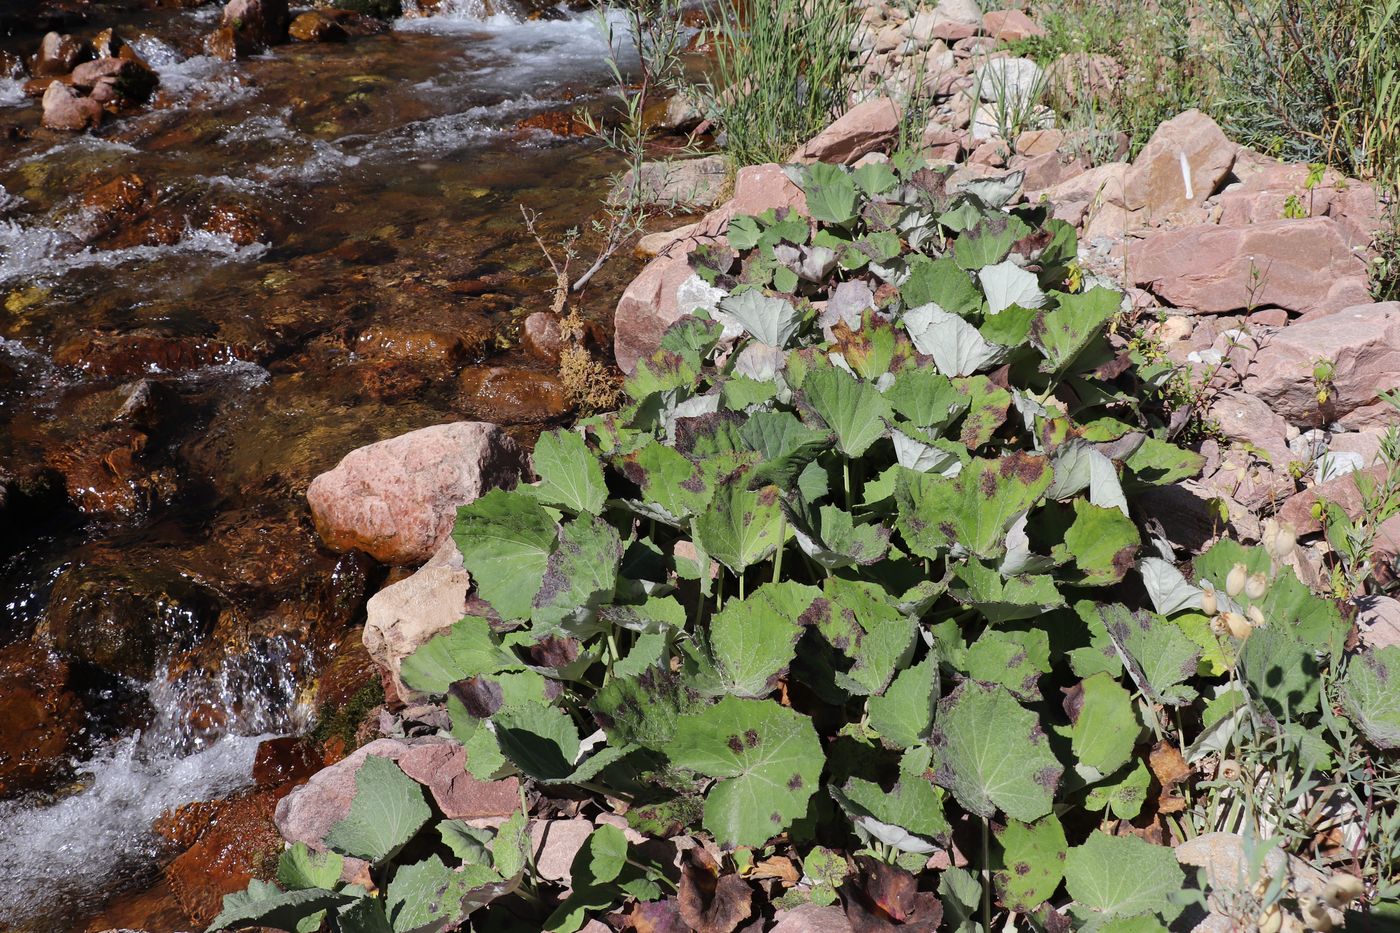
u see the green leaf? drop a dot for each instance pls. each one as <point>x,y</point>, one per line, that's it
<point>465,650</point>
<point>911,808</point>
<point>1282,673</point>
<point>1064,333</point>
<point>940,282</point>
<point>540,740</point>
<point>926,398</point>
<point>1106,730</point>
<point>840,541</point>
<point>903,715</point>
<point>669,479</point>
<point>831,193</point>
<point>741,526</point>
<point>972,510</point>
<point>262,904</point>
<point>957,348</point>
<point>603,857</point>
<point>784,444</point>
<point>990,241</point>
<point>1014,659</point>
<point>1008,284</point>
<point>1121,876</point>
<point>1157,463</point>
<point>751,641</point>
<point>1371,695</point>
<point>991,753</point>
<point>961,894</point>
<point>299,868</point>
<point>510,849</point>
<point>506,539</point>
<point>768,760</point>
<point>1123,793</point>
<point>1158,656</point>
<point>362,915</point>
<point>428,896</point>
<point>855,411</point>
<point>580,575</point>
<point>1103,543</point>
<point>1033,856</point>
<point>1003,599</point>
<point>388,810</point>
<point>771,321</point>
<point>858,620</point>
<point>642,709</point>
<point>875,178</point>
<point>570,475</point>
<point>468,843</point>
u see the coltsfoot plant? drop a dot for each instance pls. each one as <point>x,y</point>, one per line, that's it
<point>856,575</point>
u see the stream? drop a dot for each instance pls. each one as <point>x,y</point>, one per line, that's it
<point>205,304</point>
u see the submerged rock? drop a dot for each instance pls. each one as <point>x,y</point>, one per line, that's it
<point>396,500</point>
<point>58,55</point>
<point>43,718</point>
<point>511,394</point>
<point>316,26</point>
<point>66,109</point>
<point>256,24</point>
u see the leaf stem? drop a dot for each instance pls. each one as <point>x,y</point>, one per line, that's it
<point>782,540</point>
<point>986,876</point>
<point>846,476</point>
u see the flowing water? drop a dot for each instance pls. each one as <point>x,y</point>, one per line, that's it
<point>205,304</point>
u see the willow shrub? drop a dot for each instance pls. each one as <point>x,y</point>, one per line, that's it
<point>856,570</point>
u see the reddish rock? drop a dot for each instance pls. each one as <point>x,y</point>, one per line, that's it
<point>511,395</point>
<point>1342,491</point>
<point>813,918</point>
<point>441,767</point>
<point>1049,169</point>
<point>58,55</point>
<point>648,305</point>
<point>1085,77</point>
<point>316,26</point>
<point>109,472</point>
<point>426,341</point>
<point>129,78</point>
<point>282,760</point>
<point>65,109</point>
<point>222,44</point>
<point>1010,25</point>
<point>556,842</point>
<point>864,128</point>
<point>1156,183</point>
<point>1362,343</point>
<point>540,336</point>
<point>1299,265</point>
<point>256,24</point>
<point>1270,190</point>
<point>1038,143</point>
<point>396,500</point>
<point>243,224</point>
<point>405,615</point>
<point>141,354</point>
<point>239,843</point>
<point>42,717</point>
<point>116,204</point>
<point>680,186</point>
<point>554,122</point>
<point>1249,420</point>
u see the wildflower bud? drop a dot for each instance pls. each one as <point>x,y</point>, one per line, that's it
<point>1342,889</point>
<point>1237,625</point>
<point>1208,601</point>
<point>1256,586</point>
<point>1271,920</point>
<point>1287,540</point>
<point>1256,617</point>
<point>1217,625</point>
<point>1315,914</point>
<point>1234,583</point>
<point>1269,537</point>
<point>1229,770</point>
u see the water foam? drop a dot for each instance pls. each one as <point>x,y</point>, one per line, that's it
<point>61,860</point>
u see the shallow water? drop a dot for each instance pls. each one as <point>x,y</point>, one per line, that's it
<point>298,253</point>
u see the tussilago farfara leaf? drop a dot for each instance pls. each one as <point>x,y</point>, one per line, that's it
<point>1371,694</point>
<point>1105,727</point>
<point>1003,599</point>
<point>991,753</point>
<point>299,868</point>
<point>1064,332</point>
<point>670,479</point>
<point>740,526</point>
<point>771,321</point>
<point>570,475</point>
<point>1122,876</point>
<point>940,282</point>
<point>387,812</point>
<point>855,411</point>
<point>972,510</point>
<point>465,650</point>
<point>542,741</point>
<point>1102,542</point>
<point>751,641</point>
<point>1286,603</point>
<point>1008,284</point>
<point>928,399</point>
<point>1014,659</point>
<point>903,715</point>
<point>860,622</point>
<point>908,816</point>
<point>957,348</point>
<point>1033,856</point>
<point>262,904</point>
<point>767,759</point>
<point>506,539</point>
<point>580,575</point>
<point>1282,673</point>
<point>1123,794</point>
<point>427,896</point>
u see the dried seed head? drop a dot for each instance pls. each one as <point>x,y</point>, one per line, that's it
<point>1229,770</point>
<point>1209,604</point>
<point>1238,625</point>
<point>1271,920</point>
<point>1286,541</point>
<point>1315,914</point>
<point>1256,586</point>
<point>1343,888</point>
<point>1234,583</point>
<point>1217,625</point>
<point>1256,617</point>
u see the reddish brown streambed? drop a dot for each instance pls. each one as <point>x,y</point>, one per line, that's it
<point>205,305</point>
